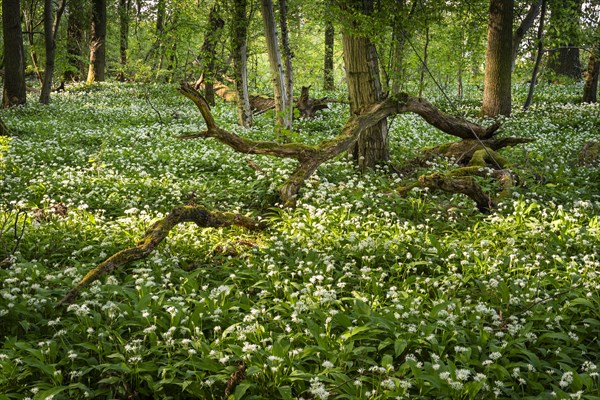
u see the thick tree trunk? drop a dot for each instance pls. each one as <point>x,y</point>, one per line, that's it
<point>14,92</point>
<point>208,52</point>
<point>522,29</point>
<point>283,118</point>
<point>372,146</point>
<point>97,42</point>
<point>538,58</point>
<point>287,56</point>
<point>239,33</point>
<point>328,83</point>
<point>50,31</point>
<point>76,67</point>
<point>497,84</point>
<point>590,89</point>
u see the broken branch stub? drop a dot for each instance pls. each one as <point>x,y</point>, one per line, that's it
<point>156,234</point>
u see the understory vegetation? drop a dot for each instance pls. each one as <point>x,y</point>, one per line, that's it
<point>358,292</point>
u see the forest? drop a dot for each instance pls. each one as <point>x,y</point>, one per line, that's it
<point>292,199</point>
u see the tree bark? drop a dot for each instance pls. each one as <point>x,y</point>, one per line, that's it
<point>287,56</point>
<point>310,157</point>
<point>155,235</point>
<point>208,51</point>
<point>75,65</point>
<point>4,131</point>
<point>328,83</point>
<point>50,31</point>
<point>538,58</point>
<point>283,118</point>
<point>14,92</point>
<point>522,29</point>
<point>239,34</point>
<point>97,42</point>
<point>364,88</point>
<point>590,89</point>
<point>497,84</point>
<point>124,9</point>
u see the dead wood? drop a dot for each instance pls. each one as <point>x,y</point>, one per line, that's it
<point>590,153</point>
<point>156,234</point>
<point>311,157</point>
<point>308,107</point>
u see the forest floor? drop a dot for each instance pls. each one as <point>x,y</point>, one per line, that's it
<point>356,293</point>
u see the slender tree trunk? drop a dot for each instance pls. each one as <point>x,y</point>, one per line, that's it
<point>124,8</point>
<point>538,58</point>
<point>4,131</point>
<point>287,55</point>
<point>75,68</point>
<point>522,29</point>
<point>364,88</point>
<point>328,83</point>
<point>97,42</point>
<point>424,65</point>
<point>14,92</point>
<point>283,118</point>
<point>28,16</point>
<point>497,84</point>
<point>50,31</point>
<point>208,53</point>
<point>590,90</point>
<point>239,33</point>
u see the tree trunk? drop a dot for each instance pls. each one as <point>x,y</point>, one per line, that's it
<point>50,30</point>
<point>97,42</point>
<point>364,88</point>
<point>75,68</point>
<point>590,90</point>
<point>538,58</point>
<point>239,33</point>
<point>497,84</point>
<point>208,52</point>
<point>328,83</point>
<point>283,118</point>
<point>524,26</point>
<point>14,92</point>
<point>124,7</point>
<point>28,16</point>
<point>424,64</point>
<point>287,54</point>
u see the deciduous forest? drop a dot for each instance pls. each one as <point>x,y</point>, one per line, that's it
<point>292,199</point>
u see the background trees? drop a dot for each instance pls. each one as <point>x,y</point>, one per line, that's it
<point>416,46</point>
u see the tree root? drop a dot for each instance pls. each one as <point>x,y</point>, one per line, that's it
<point>156,234</point>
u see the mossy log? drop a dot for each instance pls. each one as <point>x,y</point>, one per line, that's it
<point>461,180</point>
<point>311,157</point>
<point>463,151</point>
<point>156,234</point>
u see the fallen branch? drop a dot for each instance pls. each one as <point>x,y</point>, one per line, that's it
<point>311,157</point>
<point>156,234</point>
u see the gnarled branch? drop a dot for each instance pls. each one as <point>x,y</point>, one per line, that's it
<point>311,157</point>
<point>156,234</point>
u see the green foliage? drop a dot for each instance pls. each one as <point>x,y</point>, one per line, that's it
<point>357,293</point>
